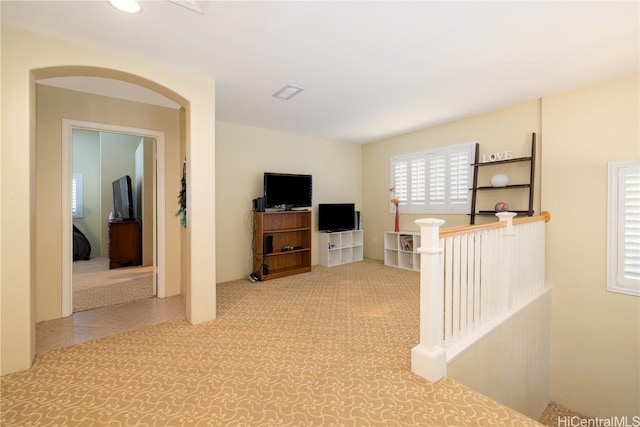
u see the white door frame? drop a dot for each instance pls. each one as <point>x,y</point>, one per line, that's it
<point>159,252</point>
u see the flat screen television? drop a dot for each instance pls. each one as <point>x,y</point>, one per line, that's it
<point>123,199</point>
<point>287,191</point>
<point>336,217</point>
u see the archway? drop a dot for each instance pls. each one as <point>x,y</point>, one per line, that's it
<point>28,57</point>
<point>49,171</point>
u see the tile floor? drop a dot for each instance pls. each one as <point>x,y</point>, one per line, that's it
<point>106,321</point>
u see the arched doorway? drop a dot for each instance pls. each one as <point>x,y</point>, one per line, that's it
<point>32,56</point>
<point>168,169</point>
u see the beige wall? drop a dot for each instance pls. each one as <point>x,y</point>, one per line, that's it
<point>504,130</point>
<point>244,153</point>
<point>27,57</point>
<point>595,333</point>
<point>55,104</point>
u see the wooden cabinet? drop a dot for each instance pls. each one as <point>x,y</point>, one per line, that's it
<point>340,247</point>
<point>281,243</point>
<point>526,185</point>
<point>125,243</point>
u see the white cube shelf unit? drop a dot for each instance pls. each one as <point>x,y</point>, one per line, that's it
<point>401,250</point>
<point>340,247</point>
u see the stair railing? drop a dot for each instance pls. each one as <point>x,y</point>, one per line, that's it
<point>472,279</point>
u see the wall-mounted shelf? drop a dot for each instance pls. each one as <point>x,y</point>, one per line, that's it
<point>527,185</point>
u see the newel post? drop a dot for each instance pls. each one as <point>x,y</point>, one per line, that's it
<point>428,358</point>
<point>508,218</point>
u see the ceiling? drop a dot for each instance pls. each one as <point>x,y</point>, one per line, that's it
<point>369,70</point>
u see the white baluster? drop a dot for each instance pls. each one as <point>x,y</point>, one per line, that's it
<point>448,290</point>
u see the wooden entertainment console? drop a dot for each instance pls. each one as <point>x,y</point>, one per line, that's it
<point>281,243</point>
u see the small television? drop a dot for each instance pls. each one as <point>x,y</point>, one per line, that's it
<point>123,199</point>
<point>287,191</point>
<point>336,217</point>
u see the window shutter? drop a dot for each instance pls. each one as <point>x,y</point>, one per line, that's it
<point>437,180</point>
<point>623,233</point>
<point>76,195</point>
<point>401,181</point>
<point>629,202</point>
<point>418,182</point>
<point>459,175</point>
<point>434,181</point>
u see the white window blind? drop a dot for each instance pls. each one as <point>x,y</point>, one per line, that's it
<point>408,180</point>
<point>76,195</point>
<point>434,181</point>
<point>623,245</point>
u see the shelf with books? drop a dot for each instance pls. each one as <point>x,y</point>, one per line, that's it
<point>401,250</point>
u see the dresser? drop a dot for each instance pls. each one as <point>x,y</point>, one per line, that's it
<point>125,243</point>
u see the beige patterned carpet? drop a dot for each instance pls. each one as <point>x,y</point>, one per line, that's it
<point>325,348</point>
<point>94,285</point>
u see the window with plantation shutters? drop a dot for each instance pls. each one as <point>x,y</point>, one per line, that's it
<point>434,181</point>
<point>623,236</point>
<point>408,181</point>
<point>76,195</point>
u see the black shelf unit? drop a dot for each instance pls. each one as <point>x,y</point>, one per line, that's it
<point>529,185</point>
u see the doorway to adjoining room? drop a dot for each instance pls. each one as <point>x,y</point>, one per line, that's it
<point>113,209</point>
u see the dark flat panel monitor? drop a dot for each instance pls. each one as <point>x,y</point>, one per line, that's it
<point>336,216</point>
<point>286,191</point>
<point>123,199</point>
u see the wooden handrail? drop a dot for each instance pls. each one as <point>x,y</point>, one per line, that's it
<point>544,215</point>
<point>465,229</point>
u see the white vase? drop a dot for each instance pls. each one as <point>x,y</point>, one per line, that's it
<point>499,180</point>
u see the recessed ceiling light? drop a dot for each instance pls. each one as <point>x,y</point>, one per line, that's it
<point>287,92</point>
<point>128,6</point>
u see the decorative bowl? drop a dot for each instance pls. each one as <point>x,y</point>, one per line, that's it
<point>499,180</point>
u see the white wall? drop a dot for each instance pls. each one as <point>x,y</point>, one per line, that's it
<point>244,153</point>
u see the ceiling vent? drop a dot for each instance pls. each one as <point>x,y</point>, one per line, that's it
<point>288,92</point>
